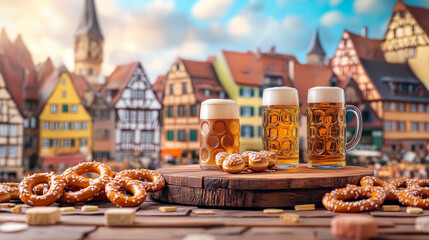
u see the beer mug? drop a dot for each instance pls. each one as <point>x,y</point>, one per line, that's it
<point>280,125</point>
<point>326,127</point>
<point>220,130</point>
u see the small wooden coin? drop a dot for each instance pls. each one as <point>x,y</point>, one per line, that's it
<point>120,216</point>
<point>67,209</point>
<point>305,207</point>
<point>13,227</point>
<point>390,208</point>
<point>43,215</point>
<point>273,211</point>
<point>203,212</point>
<point>89,208</point>
<point>289,218</point>
<point>16,209</point>
<point>7,205</point>
<point>167,209</point>
<point>414,210</point>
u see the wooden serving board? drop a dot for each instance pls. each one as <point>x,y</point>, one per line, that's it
<point>190,185</point>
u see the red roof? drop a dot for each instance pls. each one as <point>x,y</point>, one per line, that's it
<point>80,84</point>
<point>44,71</point>
<point>119,79</point>
<point>367,48</point>
<point>422,17</point>
<point>13,77</point>
<point>158,86</point>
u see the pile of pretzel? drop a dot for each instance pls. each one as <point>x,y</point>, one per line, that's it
<point>43,189</point>
<point>373,192</point>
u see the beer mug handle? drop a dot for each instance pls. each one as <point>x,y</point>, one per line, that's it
<point>359,124</point>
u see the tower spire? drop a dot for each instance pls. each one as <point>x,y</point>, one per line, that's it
<point>316,55</point>
<point>89,21</point>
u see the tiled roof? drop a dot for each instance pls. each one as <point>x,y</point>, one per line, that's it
<point>7,48</point>
<point>119,79</point>
<point>367,48</point>
<point>250,68</point>
<point>202,77</point>
<point>44,70</point>
<point>422,17</point>
<point>383,74</point>
<point>81,84</point>
<point>89,22</point>
<point>158,86</point>
<point>317,46</point>
<point>307,76</point>
<point>13,76</point>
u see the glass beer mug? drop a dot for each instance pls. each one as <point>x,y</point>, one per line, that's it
<point>280,125</point>
<point>220,130</point>
<point>326,127</point>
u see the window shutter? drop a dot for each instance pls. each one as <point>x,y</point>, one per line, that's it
<point>251,131</point>
<point>72,142</point>
<point>260,111</point>
<point>252,92</point>
<point>241,111</point>
<point>252,111</point>
<point>241,91</point>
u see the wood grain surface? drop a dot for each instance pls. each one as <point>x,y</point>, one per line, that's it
<point>191,185</point>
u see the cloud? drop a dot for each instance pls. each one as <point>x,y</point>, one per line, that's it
<point>209,9</point>
<point>335,3</point>
<point>332,18</point>
<point>239,25</point>
<point>367,7</point>
<point>293,23</point>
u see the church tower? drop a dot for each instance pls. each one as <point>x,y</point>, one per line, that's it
<point>88,44</point>
<point>316,55</point>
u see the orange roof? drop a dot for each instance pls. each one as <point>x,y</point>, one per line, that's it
<point>13,76</point>
<point>158,86</point>
<point>119,79</point>
<point>307,76</point>
<point>44,71</point>
<point>81,84</point>
<point>367,48</point>
<point>250,68</point>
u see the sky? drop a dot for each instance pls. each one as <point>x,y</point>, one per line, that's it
<point>156,32</point>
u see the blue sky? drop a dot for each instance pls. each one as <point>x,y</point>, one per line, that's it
<point>155,32</point>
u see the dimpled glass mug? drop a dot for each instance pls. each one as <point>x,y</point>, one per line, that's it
<point>326,127</point>
<point>220,130</point>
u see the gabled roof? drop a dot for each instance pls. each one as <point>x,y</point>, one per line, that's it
<point>367,48</point>
<point>88,21</point>
<point>250,68</point>
<point>422,17</point>
<point>7,48</point>
<point>44,70</point>
<point>119,79</point>
<point>383,74</point>
<point>202,77</point>
<point>158,86</point>
<point>13,76</point>
<point>317,46</point>
<point>23,54</point>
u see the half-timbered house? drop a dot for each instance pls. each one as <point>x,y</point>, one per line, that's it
<point>137,134</point>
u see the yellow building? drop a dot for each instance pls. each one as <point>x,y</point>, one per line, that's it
<point>244,77</point>
<point>407,39</point>
<point>65,125</point>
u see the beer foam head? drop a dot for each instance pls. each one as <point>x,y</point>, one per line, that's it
<point>325,95</point>
<point>219,109</point>
<point>283,96</point>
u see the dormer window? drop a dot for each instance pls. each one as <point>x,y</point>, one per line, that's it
<point>222,94</point>
<point>207,92</point>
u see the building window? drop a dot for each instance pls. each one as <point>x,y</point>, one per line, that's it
<point>192,110</point>
<point>148,117</point>
<point>55,143</point>
<point>56,126</point>
<point>184,88</point>
<point>247,92</point>
<point>414,126</point>
<point>102,134</point>
<point>169,111</point>
<point>386,106</point>
<point>140,116</point>
<point>46,125</point>
<point>427,127</point>
<point>33,122</point>
<point>127,136</point>
<point>413,107</point>
<point>411,52</point>
<point>222,94</point>
<point>13,151</point>
<point>393,106</point>
<point>13,130</point>
<point>75,125</point>
<point>401,107</point>
<point>45,142</point>
<point>170,135</point>
<point>246,111</point>
<point>2,151</point>
<point>421,127</point>
<point>26,122</point>
<point>66,125</point>
<point>193,135</point>
<point>181,135</point>
<point>68,143</point>
<point>133,116</point>
<point>402,126</point>
<point>427,108</point>
<point>260,111</point>
<point>83,125</point>
<point>3,130</point>
<point>366,117</point>
<point>54,108</point>
<point>260,131</point>
<point>146,137</point>
<point>207,92</point>
<point>64,94</point>
<point>171,88</point>
<point>125,115</point>
<point>247,131</point>
<point>74,108</point>
<point>63,81</point>
<point>83,142</point>
<point>65,108</point>
<point>393,126</point>
<point>421,108</point>
<point>386,126</point>
<point>181,112</point>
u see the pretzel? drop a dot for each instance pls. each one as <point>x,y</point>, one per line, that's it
<point>89,186</point>
<point>415,197</point>
<point>393,188</point>
<point>157,181</point>
<point>135,187</point>
<point>371,181</point>
<point>56,187</point>
<point>4,194</point>
<point>334,200</point>
<point>13,190</point>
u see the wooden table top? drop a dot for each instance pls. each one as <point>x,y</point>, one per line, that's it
<point>224,224</point>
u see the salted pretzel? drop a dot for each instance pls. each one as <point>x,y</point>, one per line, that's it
<point>394,187</point>
<point>135,187</point>
<point>415,197</point>
<point>157,181</point>
<point>89,187</point>
<point>371,181</point>
<point>335,200</point>
<point>12,189</point>
<point>4,194</point>
<point>56,187</point>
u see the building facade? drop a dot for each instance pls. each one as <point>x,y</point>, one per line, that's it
<point>137,127</point>
<point>187,84</point>
<point>65,124</point>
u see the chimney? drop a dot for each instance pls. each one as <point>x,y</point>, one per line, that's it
<point>273,49</point>
<point>364,31</point>
<point>291,70</point>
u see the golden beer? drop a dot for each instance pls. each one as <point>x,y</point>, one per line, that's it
<point>280,125</point>
<point>326,128</point>
<point>220,130</point>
